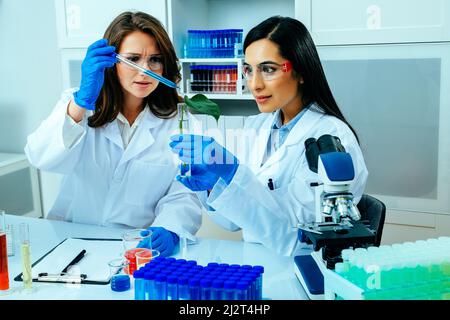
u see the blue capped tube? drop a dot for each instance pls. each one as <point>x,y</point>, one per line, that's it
<point>172,288</point>
<point>250,278</point>
<point>161,287</point>
<point>259,281</point>
<point>228,290</point>
<point>139,285</point>
<point>241,291</point>
<point>149,285</point>
<point>183,288</point>
<point>194,289</point>
<point>205,288</point>
<point>217,289</point>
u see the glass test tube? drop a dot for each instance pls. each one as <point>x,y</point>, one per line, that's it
<point>26,255</point>
<point>4,276</point>
<point>183,125</point>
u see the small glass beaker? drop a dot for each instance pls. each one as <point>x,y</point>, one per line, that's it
<point>145,256</point>
<point>131,240</point>
<point>120,280</point>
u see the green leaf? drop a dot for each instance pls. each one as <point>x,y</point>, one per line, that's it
<point>202,105</point>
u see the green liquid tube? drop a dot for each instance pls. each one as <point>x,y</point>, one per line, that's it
<point>26,256</point>
<point>26,266</point>
<point>183,126</point>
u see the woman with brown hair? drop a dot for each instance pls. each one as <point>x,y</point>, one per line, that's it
<point>109,138</point>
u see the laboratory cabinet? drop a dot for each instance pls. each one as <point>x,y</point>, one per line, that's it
<point>375,21</point>
<point>397,99</point>
<point>81,22</point>
<point>19,186</point>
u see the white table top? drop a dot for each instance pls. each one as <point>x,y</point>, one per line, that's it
<point>279,281</point>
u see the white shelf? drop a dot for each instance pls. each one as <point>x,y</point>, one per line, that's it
<point>210,60</point>
<point>219,96</point>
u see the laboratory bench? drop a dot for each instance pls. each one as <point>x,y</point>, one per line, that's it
<point>279,280</point>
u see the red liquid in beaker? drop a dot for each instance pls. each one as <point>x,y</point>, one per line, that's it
<point>130,255</point>
<point>4,278</point>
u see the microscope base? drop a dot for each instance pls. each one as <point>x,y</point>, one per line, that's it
<point>310,276</point>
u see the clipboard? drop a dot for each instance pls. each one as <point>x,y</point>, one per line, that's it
<point>81,280</point>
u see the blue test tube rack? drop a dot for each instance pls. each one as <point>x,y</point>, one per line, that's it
<point>178,279</point>
<point>224,43</point>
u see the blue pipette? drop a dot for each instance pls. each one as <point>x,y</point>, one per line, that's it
<point>150,73</point>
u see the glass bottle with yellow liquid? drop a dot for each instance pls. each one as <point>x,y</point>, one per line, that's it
<point>27,276</point>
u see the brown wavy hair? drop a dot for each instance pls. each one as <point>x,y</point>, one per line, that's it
<point>163,101</point>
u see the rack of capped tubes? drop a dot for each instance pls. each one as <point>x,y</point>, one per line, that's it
<point>411,270</point>
<point>213,78</point>
<point>178,279</point>
<point>226,43</point>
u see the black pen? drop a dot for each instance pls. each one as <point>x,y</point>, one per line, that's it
<point>75,261</point>
<point>270,184</point>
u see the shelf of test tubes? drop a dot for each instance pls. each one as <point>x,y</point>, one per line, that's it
<point>412,270</point>
<point>178,279</point>
<point>217,78</point>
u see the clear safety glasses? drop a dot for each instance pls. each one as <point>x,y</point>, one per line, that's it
<point>153,62</point>
<point>268,70</point>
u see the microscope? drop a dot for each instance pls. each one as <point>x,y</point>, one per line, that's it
<point>337,224</point>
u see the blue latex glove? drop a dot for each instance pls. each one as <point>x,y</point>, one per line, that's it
<point>162,240</point>
<point>208,161</point>
<point>99,56</point>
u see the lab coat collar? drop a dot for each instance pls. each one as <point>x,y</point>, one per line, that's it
<point>259,148</point>
<point>143,137</point>
<point>297,135</point>
<point>111,132</point>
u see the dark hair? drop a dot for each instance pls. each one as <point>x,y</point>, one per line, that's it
<point>296,45</point>
<point>162,101</point>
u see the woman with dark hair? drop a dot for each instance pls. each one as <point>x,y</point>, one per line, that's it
<point>109,138</point>
<point>265,190</point>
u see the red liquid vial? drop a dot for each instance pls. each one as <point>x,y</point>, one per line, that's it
<point>4,278</point>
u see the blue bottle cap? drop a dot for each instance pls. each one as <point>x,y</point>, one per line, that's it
<point>120,283</point>
<point>224,265</point>
<point>172,279</point>
<point>198,268</point>
<point>235,266</point>
<point>177,273</point>
<point>259,268</point>
<point>217,283</point>
<point>246,266</point>
<point>161,277</point>
<point>213,264</point>
<point>194,282</point>
<point>171,259</point>
<point>241,285</point>
<point>150,275</point>
<point>205,283</point>
<point>192,262</point>
<point>229,284</point>
<point>183,281</point>
<point>139,274</point>
<point>181,261</point>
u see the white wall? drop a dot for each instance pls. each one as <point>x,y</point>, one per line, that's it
<point>30,75</point>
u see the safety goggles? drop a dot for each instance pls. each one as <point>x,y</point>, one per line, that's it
<point>268,70</point>
<point>153,62</point>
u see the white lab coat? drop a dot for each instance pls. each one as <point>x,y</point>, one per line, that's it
<point>266,216</point>
<point>106,185</point>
